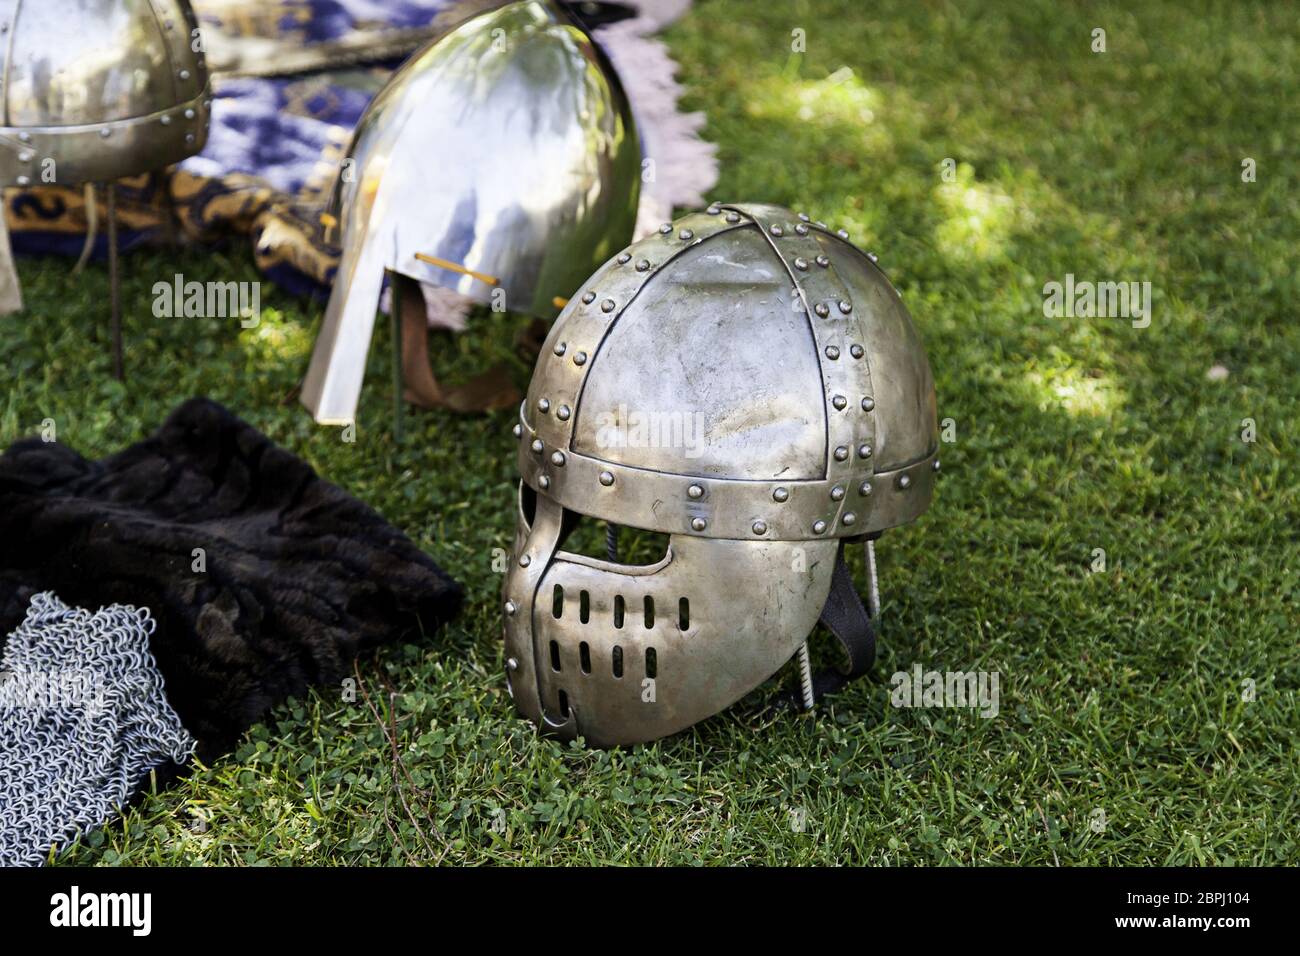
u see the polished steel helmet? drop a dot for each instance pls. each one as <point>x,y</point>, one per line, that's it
<point>103,88</point>
<point>500,161</point>
<point>750,384</point>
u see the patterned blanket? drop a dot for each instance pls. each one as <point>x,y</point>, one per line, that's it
<point>276,139</point>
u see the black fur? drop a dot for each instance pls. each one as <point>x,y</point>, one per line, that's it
<point>301,577</point>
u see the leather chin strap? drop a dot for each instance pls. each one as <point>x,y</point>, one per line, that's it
<point>847,618</point>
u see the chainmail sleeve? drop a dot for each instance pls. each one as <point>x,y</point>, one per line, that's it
<point>83,718</point>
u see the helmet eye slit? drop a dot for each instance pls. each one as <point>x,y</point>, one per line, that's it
<point>555,656</point>
<point>617,661</point>
<point>651,663</point>
<point>684,615</point>
<point>584,655</point>
<point>649,612</point>
<point>557,602</point>
<point>584,607</point>
<point>618,610</point>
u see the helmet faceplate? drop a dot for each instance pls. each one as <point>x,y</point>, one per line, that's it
<point>748,383</point>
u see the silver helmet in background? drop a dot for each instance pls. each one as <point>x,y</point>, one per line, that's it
<point>751,385</point>
<point>92,91</point>
<point>95,90</point>
<point>500,161</point>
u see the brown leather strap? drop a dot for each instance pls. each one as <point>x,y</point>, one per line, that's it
<point>487,391</point>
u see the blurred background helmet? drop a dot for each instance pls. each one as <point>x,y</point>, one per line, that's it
<point>500,161</point>
<point>95,90</point>
<point>750,384</point>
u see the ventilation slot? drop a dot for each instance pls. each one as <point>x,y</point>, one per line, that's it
<point>564,705</point>
<point>684,615</point>
<point>557,602</point>
<point>649,611</point>
<point>618,661</point>
<point>555,656</point>
<point>618,610</point>
<point>651,663</point>
<point>584,607</point>
<point>584,655</point>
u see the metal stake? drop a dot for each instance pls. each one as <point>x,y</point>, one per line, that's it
<point>114,282</point>
<point>395,311</point>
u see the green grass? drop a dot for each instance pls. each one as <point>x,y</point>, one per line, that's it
<point>1122,690</point>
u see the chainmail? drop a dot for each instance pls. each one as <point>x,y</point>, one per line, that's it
<point>83,718</point>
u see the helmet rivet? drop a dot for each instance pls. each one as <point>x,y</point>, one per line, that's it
<point>23,180</point>
<point>832,352</point>
<point>839,401</point>
<point>873,257</point>
<point>842,233</point>
<point>624,258</point>
<point>608,306</point>
<point>512,664</point>
<point>606,478</point>
<point>25,137</point>
<point>855,350</point>
<point>904,481</point>
<point>801,229</point>
<point>837,493</point>
<point>511,607</point>
<point>846,306</point>
<point>841,453</point>
<point>695,491</point>
<point>525,560</point>
<point>557,459</point>
<point>776,230</point>
<point>780,495</point>
<point>189,113</point>
<point>864,450</point>
<point>185,74</point>
<point>864,489</point>
<point>823,261</point>
<point>544,405</point>
<point>562,413</point>
<point>733,216</point>
<point>105,133</point>
<point>579,358</point>
<point>760,527</point>
<point>538,446</point>
<point>822,309</point>
<point>819,527</point>
<point>643,265</point>
<point>803,217</point>
<point>686,234</point>
<point>801,263</point>
<point>935,466</point>
<point>25,156</point>
<point>588,298</point>
<point>699,524</point>
<point>165,120</point>
<point>518,430</point>
<point>868,403</point>
<point>665,228</point>
<point>713,209</point>
<point>544,481</point>
<point>560,347</point>
<point>849,518</point>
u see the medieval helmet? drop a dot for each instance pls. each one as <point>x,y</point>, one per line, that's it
<point>500,159</point>
<point>750,384</point>
<point>104,89</point>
